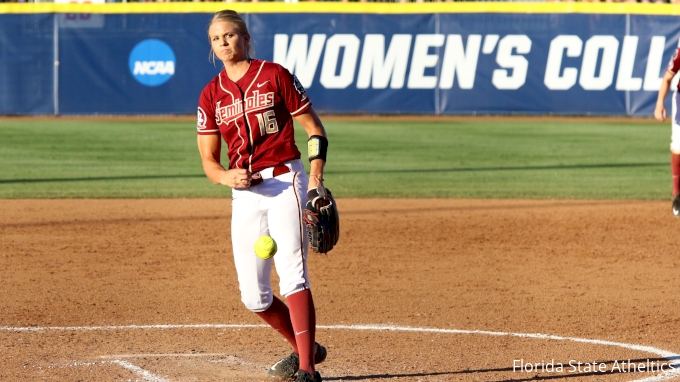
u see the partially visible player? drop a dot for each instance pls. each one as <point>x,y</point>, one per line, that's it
<point>660,114</point>
<point>251,104</point>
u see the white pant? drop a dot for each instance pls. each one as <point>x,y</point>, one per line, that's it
<point>675,127</point>
<point>273,207</point>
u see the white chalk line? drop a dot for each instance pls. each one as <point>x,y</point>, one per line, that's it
<point>124,364</point>
<point>162,355</point>
<point>127,327</point>
<point>665,375</point>
<point>147,375</point>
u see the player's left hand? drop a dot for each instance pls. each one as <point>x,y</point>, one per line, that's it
<point>315,181</point>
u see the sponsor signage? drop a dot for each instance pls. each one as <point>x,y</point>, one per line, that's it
<point>373,64</point>
<point>152,62</point>
<point>472,63</point>
<point>80,20</point>
<point>479,63</point>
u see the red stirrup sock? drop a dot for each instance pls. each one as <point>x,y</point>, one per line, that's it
<point>304,322</point>
<point>278,317</point>
<point>675,170</point>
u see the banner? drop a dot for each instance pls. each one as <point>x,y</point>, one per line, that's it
<point>429,63</point>
<point>135,64</point>
<point>476,63</point>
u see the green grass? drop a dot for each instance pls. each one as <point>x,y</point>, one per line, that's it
<point>55,158</point>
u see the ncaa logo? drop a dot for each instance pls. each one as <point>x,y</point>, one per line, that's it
<point>152,62</point>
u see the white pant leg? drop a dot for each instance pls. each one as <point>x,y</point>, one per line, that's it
<point>248,223</point>
<point>675,127</point>
<point>287,228</point>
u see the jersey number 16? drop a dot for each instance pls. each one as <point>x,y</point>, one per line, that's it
<point>267,121</point>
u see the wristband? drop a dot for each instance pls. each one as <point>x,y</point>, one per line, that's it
<point>317,147</point>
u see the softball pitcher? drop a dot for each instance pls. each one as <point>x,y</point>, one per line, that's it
<point>251,105</point>
<point>660,114</point>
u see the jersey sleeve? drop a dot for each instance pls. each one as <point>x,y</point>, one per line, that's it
<point>674,63</point>
<point>293,93</point>
<point>205,122</point>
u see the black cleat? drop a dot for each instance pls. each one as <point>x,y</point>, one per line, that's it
<point>304,376</point>
<point>289,365</point>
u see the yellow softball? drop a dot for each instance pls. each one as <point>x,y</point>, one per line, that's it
<point>265,247</point>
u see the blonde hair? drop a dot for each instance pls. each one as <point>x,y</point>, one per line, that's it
<point>230,16</point>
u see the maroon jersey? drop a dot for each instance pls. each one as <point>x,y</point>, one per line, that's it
<point>254,115</point>
<point>674,63</point>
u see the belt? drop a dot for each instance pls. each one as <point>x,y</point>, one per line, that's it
<point>259,177</point>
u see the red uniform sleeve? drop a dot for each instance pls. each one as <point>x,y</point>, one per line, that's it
<point>674,63</point>
<point>293,93</point>
<point>206,123</point>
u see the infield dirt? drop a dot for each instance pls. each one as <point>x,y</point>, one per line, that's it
<point>83,273</point>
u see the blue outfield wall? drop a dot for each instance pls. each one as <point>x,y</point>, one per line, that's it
<point>430,63</point>
<point>26,64</point>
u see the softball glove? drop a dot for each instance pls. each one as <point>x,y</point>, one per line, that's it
<point>322,220</point>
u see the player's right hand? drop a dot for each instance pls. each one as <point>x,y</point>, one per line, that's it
<point>660,113</point>
<point>236,178</point>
